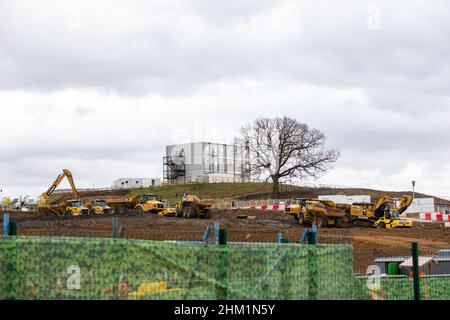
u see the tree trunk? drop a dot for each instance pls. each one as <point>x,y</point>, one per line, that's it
<point>276,186</point>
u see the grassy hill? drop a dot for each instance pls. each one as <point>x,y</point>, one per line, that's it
<point>219,191</point>
<point>260,191</point>
<point>239,191</point>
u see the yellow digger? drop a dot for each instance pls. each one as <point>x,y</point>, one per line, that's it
<point>65,174</point>
<point>73,206</point>
<point>384,213</point>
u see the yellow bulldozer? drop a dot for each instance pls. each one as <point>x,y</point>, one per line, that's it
<point>74,207</point>
<point>191,206</point>
<point>319,212</point>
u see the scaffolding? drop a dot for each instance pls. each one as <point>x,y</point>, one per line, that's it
<point>174,168</point>
<point>206,162</point>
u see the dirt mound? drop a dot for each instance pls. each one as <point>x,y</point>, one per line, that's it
<point>89,195</point>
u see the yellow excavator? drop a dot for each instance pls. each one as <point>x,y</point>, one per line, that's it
<point>73,206</point>
<point>384,213</point>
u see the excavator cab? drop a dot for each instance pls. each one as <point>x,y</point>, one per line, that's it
<point>98,207</point>
<point>149,203</point>
<point>75,208</point>
<point>148,197</point>
<point>391,217</point>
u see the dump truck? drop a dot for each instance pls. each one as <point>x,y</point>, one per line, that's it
<point>191,206</point>
<point>73,206</point>
<point>98,207</point>
<point>384,213</point>
<point>322,213</point>
<point>142,203</point>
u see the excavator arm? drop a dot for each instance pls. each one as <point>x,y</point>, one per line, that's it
<point>65,174</point>
<point>405,202</point>
<point>379,206</point>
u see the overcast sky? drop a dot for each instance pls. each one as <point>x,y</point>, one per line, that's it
<point>100,87</point>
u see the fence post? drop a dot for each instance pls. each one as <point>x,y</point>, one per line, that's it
<point>222,288</point>
<point>312,235</point>
<point>216,232</point>
<point>280,237</point>
<point>416,278</point>
<point>5,224</point>
<point>207,233</point>
<point>12,228</point>
<point>313,280</point>
<point>223,237</point>
<point>115,222</point>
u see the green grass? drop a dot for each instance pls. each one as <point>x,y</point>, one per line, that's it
<point>229,191</point>
<point>217,191</point>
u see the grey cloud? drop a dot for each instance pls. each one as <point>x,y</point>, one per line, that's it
<point>182,51</point>
<point>329,46</point>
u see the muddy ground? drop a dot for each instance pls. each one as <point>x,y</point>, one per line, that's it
<point>368,243</point>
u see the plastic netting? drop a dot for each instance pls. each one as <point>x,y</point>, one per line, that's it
<point>76,268</point>
<point>145,265</point>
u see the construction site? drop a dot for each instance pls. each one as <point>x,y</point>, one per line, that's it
<point>206,216</point>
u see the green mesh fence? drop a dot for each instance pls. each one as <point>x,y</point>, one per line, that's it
<point>87,268</point>
<point>431,288</point>
<point>100,268</point>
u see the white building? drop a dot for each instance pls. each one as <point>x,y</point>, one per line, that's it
<point>421,205</point>
<point>346,199</point>
<point>206,162</point>
<point>129,183</point>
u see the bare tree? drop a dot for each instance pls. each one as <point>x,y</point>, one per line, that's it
<point>284,147</point>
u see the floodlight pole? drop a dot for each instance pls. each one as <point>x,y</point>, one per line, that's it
<point>414,187</point>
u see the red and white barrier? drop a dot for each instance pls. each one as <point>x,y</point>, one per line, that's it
<point>275,207</point>
<point>436,216</point>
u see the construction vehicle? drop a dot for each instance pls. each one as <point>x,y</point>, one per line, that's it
<point>168,210</point>
<point>73,206</point>
<point>98,207</point>
<point>384,213</point>
<point>65,174</point>
<point>7,202</point>
<point>152,288</point>
<point>142,203</point>
<point>191,206</point>
<point>69,207</point>
<point>322,213</point>
<point>24,204</point>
